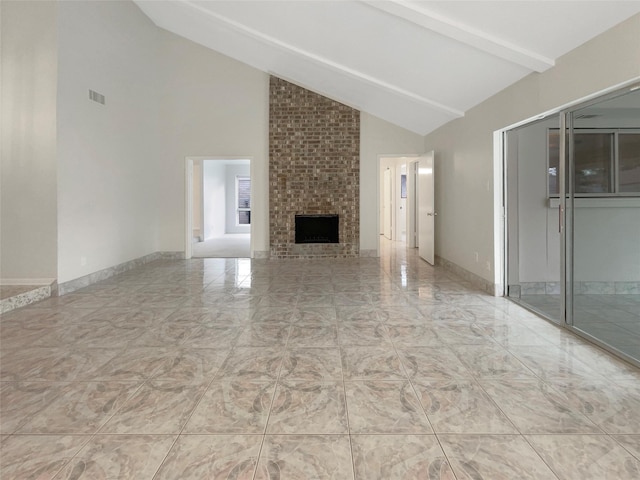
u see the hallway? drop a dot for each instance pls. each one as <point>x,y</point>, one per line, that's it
<point>371,368</point>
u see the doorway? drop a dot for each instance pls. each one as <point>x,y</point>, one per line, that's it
<point>573,219</point>
<point>218,208</point>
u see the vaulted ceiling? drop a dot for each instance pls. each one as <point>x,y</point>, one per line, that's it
<point>417,64</point>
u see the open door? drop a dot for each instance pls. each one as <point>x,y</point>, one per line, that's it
<point>386,204</point>
<point>426,212</point>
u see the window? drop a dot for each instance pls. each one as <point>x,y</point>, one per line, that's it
<point>606,162</point>
<point>243,197</point>
<point>629,162</point>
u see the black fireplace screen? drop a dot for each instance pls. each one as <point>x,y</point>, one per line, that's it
<point>317,228</point>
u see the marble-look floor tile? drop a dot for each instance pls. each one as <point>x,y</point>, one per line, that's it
<point>302,457</point>
<point>20,401</point>
<point>80,408</point>
<point>445,313</point>
<point>54,364</point>
<point>469,334</point>
<point>414,336</point>
<point>408,315</point>
<point>212,336</point>
<point>491,361</point>
<point>73,300</point>
<point>313,336</point>
<point>283,300</point>
<point>585,457</point>
<point>534,407</point>
<point>150,300</point>
<point>166,334</point>
<point>366,313</point>
<point>351,334</point>
<point>38,456</point>
<point>385,407</point>
<point>308,408</point>
<point>252,363</point>
<point>399,457</point>
<point>630,442</point>
<point>144,317</point>
<point>352,298</point>
<point>461,406</point>
<point>432,363</point>
<point>91,335</point>
<point>494,457</point>
<point>273,315</point>
<point>118,456</point>
<point>614,408</point>
<point>607,365</point>
<point>371,363</point>
<point>15,335</point>
<point>233,407</point>
<point>33,318</point>
<point>511,334</point>
<point>264,335</point>
<point>133,364</point>
<point>156,408</point>
<point>312,364</point>
<point>195,365</point>
<point>314,316</point>
<point>554,364</point>
<point>196,457</point>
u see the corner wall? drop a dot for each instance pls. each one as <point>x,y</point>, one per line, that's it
<point>28,218</point>
<point>464,147</point>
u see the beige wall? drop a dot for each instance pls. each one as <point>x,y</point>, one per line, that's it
<point>464,147</point>
<point>210,106</point>
<point>28,190</point>
<point>107,154</point>
<point>378,137</point>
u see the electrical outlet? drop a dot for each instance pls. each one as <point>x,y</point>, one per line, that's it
<point>487,265</point>
<point>83,261</point>
<point>475,256</point>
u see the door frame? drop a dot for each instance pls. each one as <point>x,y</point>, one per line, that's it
<point>188,199</point>
<point>500,207</point>
<point>409,158</point>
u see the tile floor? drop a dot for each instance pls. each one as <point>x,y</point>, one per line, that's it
<point>612,318</point>
<point>329,369</point>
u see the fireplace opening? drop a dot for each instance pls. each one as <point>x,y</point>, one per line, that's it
<point>317,228</point>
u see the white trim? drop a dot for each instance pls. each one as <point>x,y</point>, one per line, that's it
<point>188,203</point>
<point>499,211</point>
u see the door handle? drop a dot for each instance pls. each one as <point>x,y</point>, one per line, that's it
<point>560,218</point>
<point>432,214</point>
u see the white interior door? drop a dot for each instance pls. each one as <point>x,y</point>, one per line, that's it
<point>386,204</point>
<point>426,212</point>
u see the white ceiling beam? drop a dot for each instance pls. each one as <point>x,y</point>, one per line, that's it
<point>325,62</point>
<point>463,33</point>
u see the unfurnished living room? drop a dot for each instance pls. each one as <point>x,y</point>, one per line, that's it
<point>439,207</point>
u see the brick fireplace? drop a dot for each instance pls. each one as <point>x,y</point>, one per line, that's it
<point>314,169</point>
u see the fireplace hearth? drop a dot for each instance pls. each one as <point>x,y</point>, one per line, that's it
<point>317,228</point>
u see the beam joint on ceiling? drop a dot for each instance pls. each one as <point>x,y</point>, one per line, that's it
<point>317,59</point>
<point>462,33</point>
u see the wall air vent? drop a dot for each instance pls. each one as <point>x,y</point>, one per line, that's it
<point>96,97</point>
